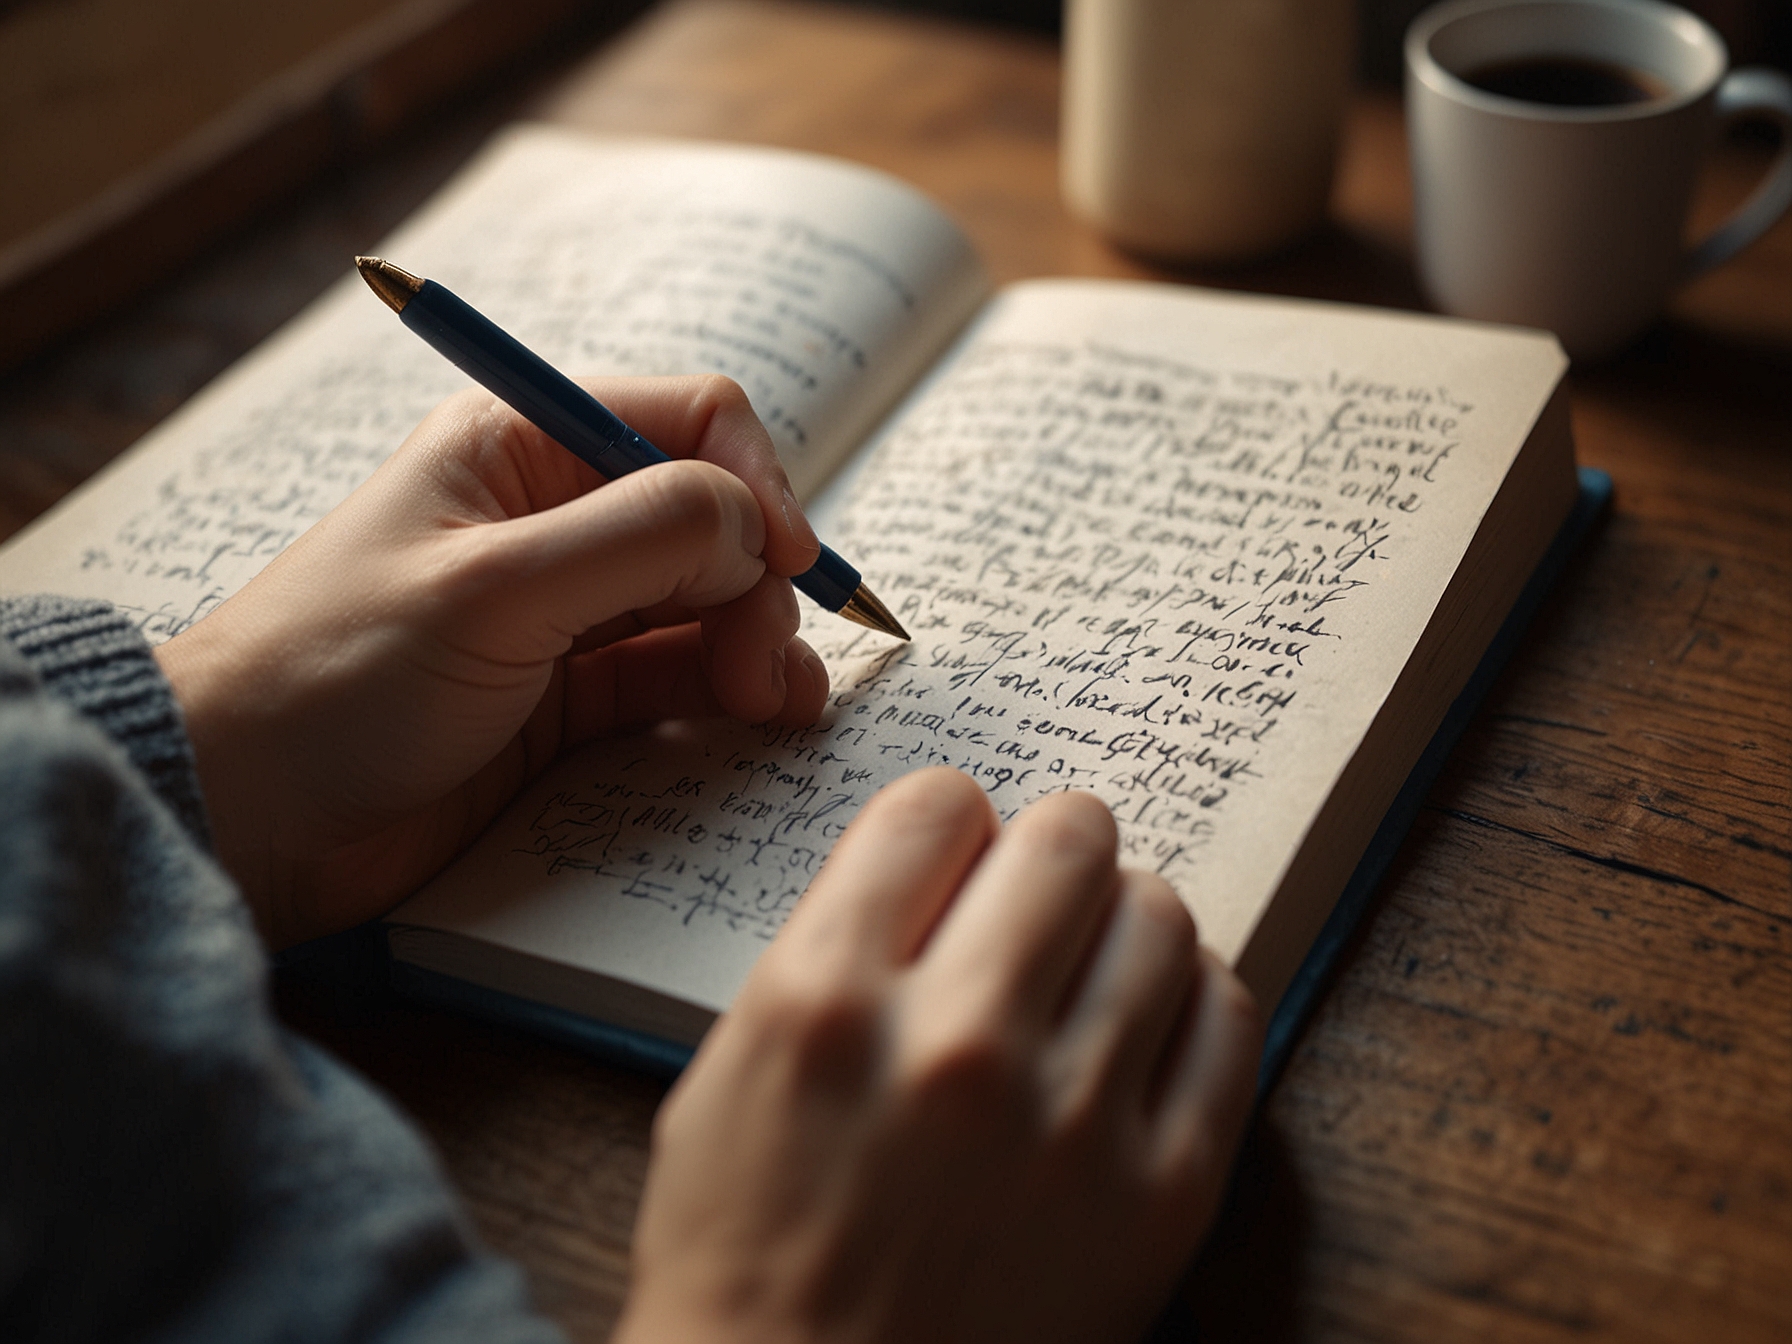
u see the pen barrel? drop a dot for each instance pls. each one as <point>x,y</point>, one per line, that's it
<point>566,412</point>
<point>497,361</point>
<point>829,581</point>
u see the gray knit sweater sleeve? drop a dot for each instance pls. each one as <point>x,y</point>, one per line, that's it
<point>173,1165</point>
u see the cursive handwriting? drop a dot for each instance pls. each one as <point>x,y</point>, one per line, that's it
<point>1123,574</point>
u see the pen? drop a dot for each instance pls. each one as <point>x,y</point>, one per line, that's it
<point>571,416</point>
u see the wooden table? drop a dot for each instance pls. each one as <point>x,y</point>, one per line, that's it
<point>1549,1096</point>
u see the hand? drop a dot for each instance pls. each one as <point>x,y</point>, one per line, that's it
<point>363,708</point>
<point>983,1087</point>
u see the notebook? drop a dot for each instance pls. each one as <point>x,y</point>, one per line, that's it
<point>1241,566</point>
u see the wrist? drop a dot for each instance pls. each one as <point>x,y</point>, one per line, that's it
<point>233,783</point>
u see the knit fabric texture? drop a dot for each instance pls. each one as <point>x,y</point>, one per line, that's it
<point>174,1165</point>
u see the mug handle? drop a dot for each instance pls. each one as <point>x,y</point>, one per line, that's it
<point>1765,93</point>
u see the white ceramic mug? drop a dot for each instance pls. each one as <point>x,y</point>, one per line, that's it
<point>1573,218</point>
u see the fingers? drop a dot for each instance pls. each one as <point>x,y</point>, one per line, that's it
<point>812,1007</point>
<point>593,576</point>
<point>581,567</point>
<point>805,687</point>
<point>493,464</point>
<point>479,459</point>
<point>1023,925</point>
<point>749,648</point>
<point>708,417</point>
<point>1104,969</point>
<point>1133,997</point>
<point>1209,1081</point>
<point>531,560</point>
<point>632,623</point>
<point>663,674</point>
<point>898,865</point>
<point>685,533</point>
<point>654,676</point>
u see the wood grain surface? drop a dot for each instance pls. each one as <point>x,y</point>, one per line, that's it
<point>1549,1096</point>
<point>134,134</point>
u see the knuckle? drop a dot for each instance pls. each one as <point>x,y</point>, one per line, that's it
<point>462,577</point>
<point>1071,825</point>
<point>828,1028</point>
<point>468,404</point>
<point>1234,999</point>
<point>972,1082</point>
<point>684,501</point>
<point>720,392</point>
<point>1156,902</point>
<point>1082,1119</point>
<point>782,615</point>
<point>482,427</point>
<point>1190,1153</point>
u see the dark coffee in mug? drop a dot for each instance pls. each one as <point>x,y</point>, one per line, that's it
<point>1554,145</point>
<point>1566,81</point>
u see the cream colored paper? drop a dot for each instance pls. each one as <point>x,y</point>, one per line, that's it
<point>1221,560</point>
<point>822,287</point>
<point>1172,547</point>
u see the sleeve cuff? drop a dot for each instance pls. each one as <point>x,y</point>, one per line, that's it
<point>89,654</point>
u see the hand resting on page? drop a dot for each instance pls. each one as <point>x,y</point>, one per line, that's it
<point>984,1086</point>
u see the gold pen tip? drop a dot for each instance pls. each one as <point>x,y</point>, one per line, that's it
<point>395,287</point>
<point>863,608</point>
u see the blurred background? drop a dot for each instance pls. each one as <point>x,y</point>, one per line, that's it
<point>1757,30</point>
<point>136,133</point>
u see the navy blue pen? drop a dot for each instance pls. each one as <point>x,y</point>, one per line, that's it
<point>571,416</point>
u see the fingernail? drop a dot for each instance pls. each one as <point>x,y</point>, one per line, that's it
<point>797,523</point>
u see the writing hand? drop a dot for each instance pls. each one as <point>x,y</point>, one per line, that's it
<point>984,1086</point>
<point>366,705</point>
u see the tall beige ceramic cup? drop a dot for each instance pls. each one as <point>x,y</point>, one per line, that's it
<point>1204,130</point>
<point>1573,218</point>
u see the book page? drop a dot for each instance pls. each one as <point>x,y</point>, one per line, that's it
<point>1170,547</point>
<point>823,288</point>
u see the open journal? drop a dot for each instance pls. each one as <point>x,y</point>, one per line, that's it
<point>1224,561</point>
